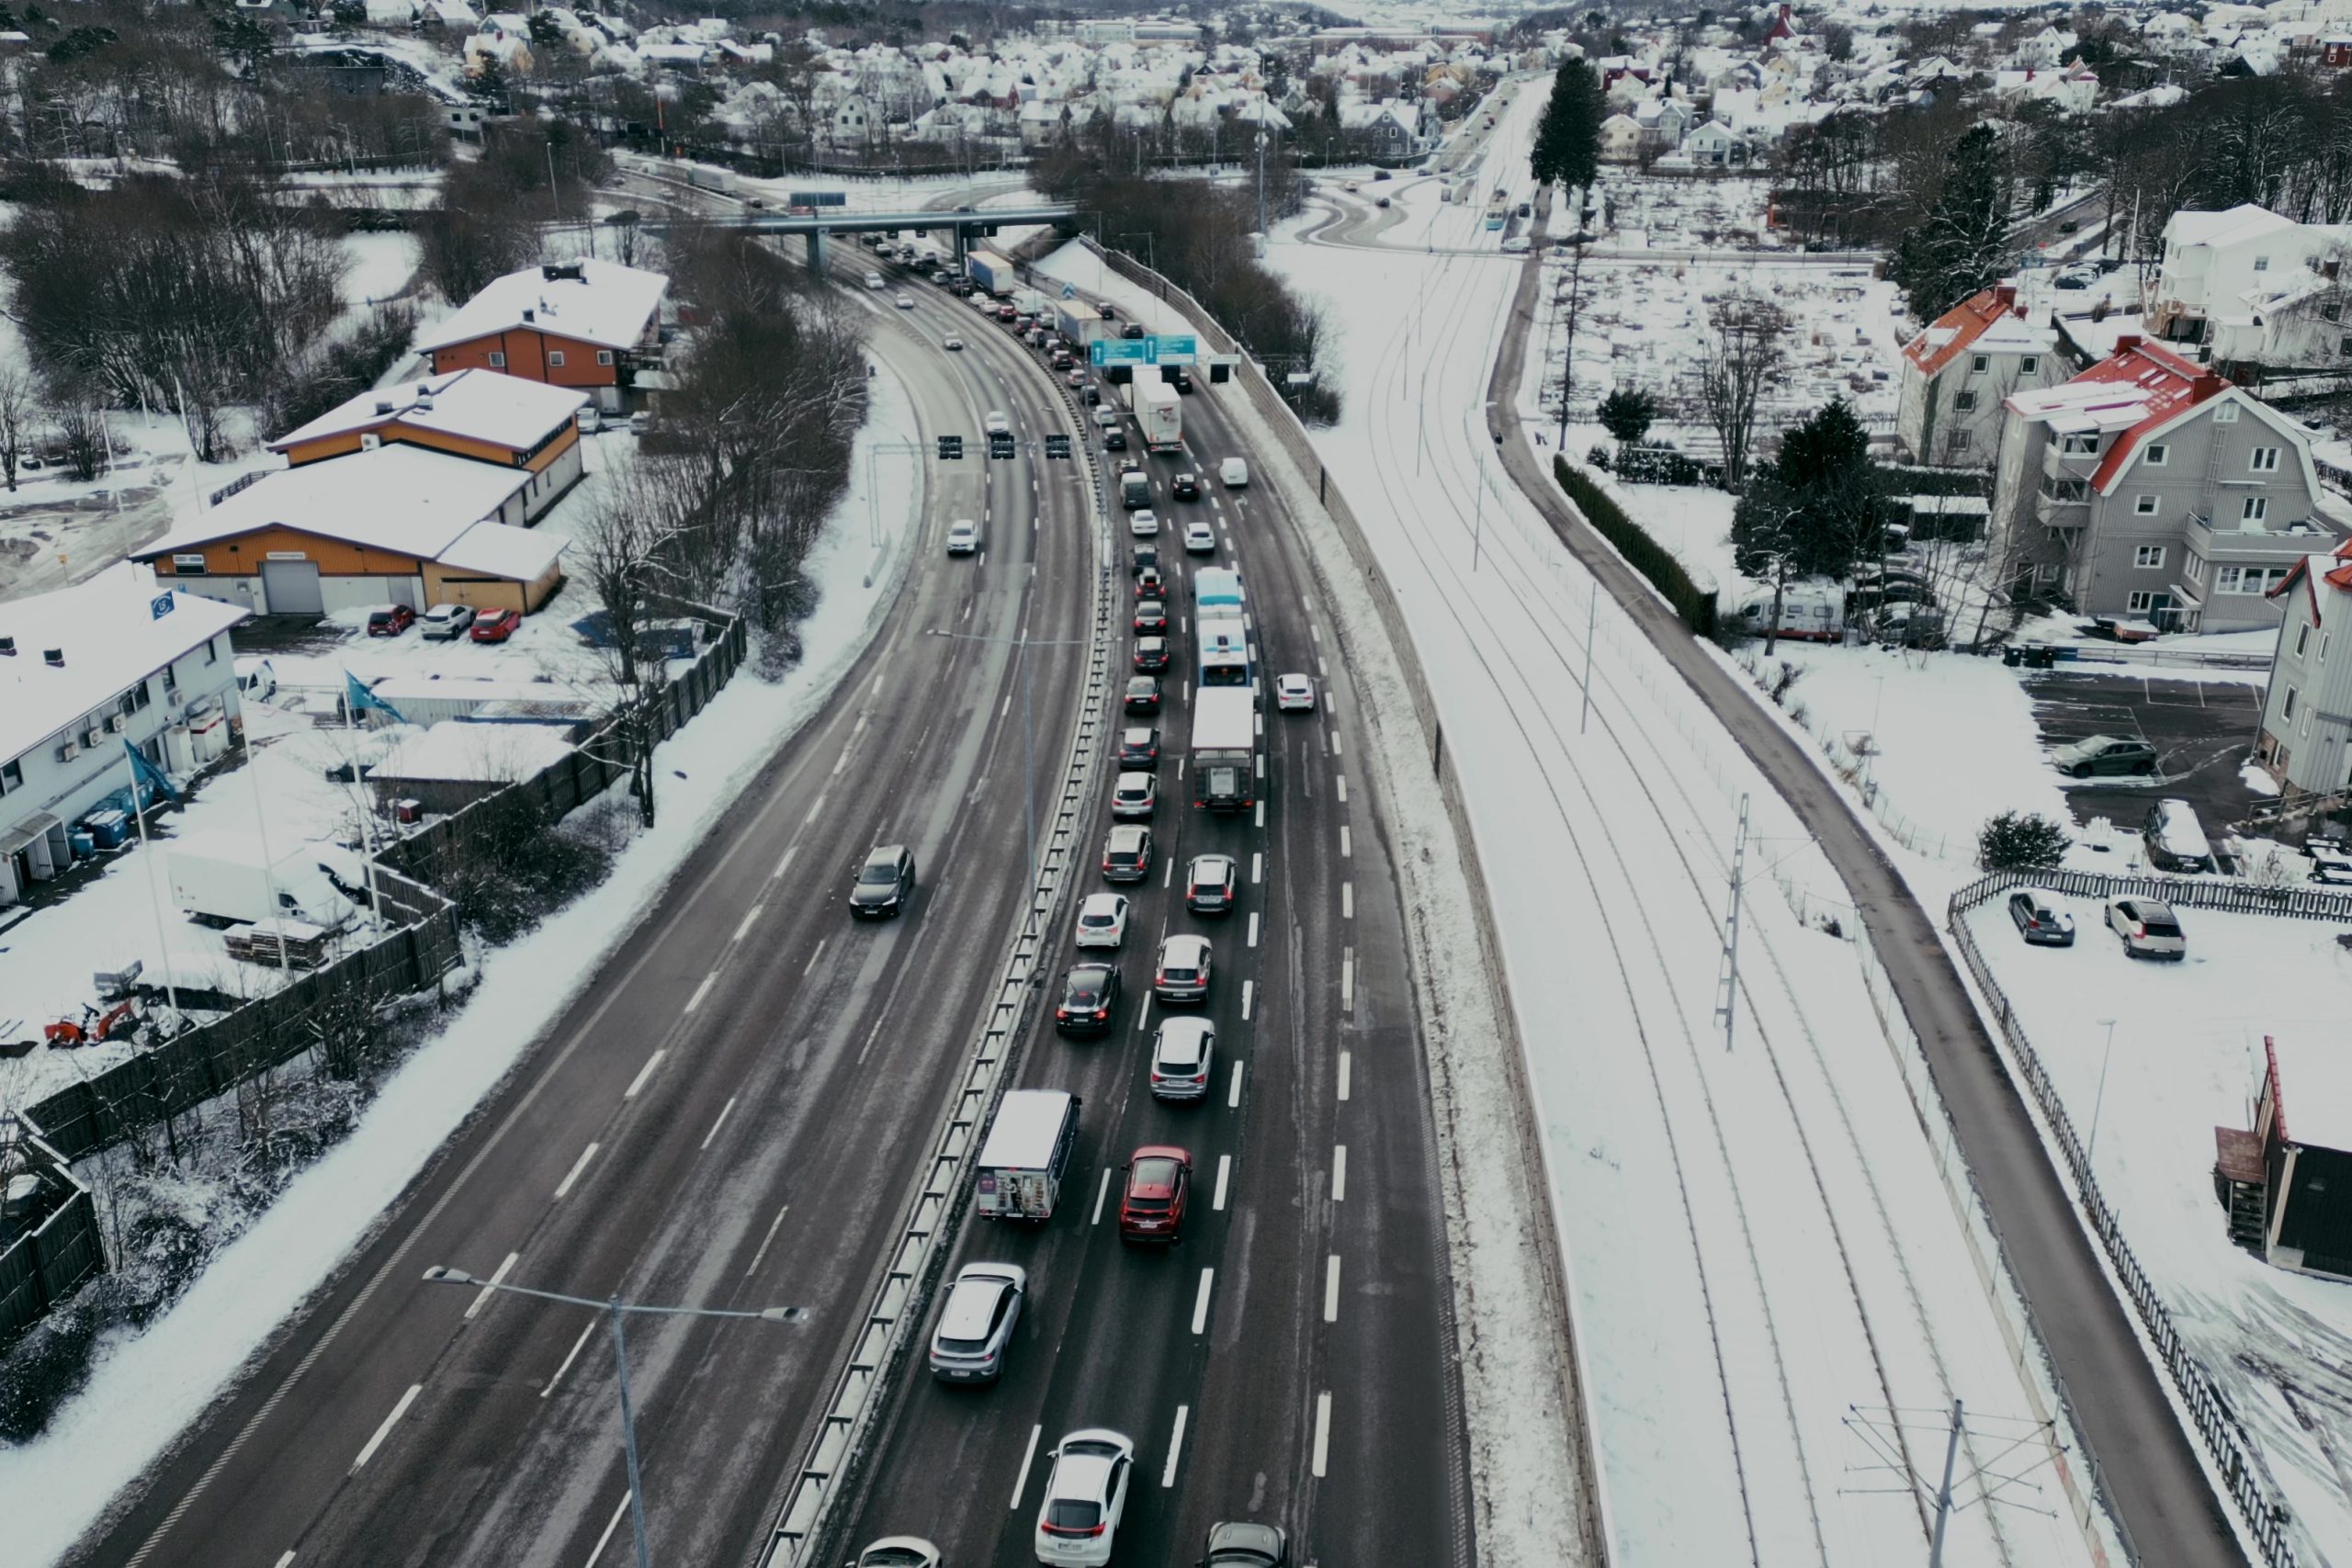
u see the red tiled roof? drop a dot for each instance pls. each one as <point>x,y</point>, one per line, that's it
<point>2170,384</point>
<point>1967,321</point>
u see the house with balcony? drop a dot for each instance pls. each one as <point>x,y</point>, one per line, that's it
<point>1956,373</point>
<point>584,325</point>
<point>2149,488</point>
<point>2247,291</point>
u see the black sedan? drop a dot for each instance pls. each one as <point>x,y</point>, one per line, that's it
<point>1143,695</point>
<point>1152,617</point>
<point>1139,746</point>
<point>1090,998</point>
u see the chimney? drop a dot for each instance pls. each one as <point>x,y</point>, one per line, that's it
<point>55,658</point>
<point>2208,385</point>
<point>7,648</point>
<point>2005,294</point>
<point>2127,341</point>
<point>383,405</point>
<point>529,314</point>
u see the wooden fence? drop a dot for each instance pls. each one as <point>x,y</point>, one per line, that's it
<point>48,1261</point>
<point>2263,1518</point>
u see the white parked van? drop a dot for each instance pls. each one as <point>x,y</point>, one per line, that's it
<point>1234,473</point>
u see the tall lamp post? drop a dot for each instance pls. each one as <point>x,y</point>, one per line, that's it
<point>616,1310</point>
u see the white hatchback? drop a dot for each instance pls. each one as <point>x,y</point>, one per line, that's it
<point>1200,539</point>
<point>1102,920</point>
<point>1293,693</point>
<point>1144,525</point>
<point>1086,1495</point>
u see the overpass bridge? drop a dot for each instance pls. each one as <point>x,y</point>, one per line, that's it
<point>965,223</point>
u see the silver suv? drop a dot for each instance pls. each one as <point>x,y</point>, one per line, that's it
<point>975,1330</point>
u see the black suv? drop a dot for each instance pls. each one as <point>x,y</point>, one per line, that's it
<point>1090,998</point>
<point>883,882</point>
<point>1139,746</point>
<point>1185,487</point>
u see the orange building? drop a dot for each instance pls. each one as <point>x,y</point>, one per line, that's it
<point>584,324</point>
<point>478,415</point>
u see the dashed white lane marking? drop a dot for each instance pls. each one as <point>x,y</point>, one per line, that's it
<point>1347,980</point>
<point>702,991</point>
<point>577,1166</point>
<point>1335,743</point>
<point>1313,632</point>
<point>1223,1174</point>
<point>283,1562</point>
<point>814,811</point>
<point>1249,990</point>
<point>1347,843</point>
<point>610,1526</point>
<point>1322,669</point>
<point>819,952</point>
<point>1253,928</point>
<point>572,1356</point>
<point>1006,707</point>
<point>1257,867</point>
<point>1175,1447</point>
<point>1331,1289</point>
<point>1340,781</point>
<point>1347,900</point>
<point>1101,1193</point>
<point>1347,1060</point>
<point>715,1126</point>
<point>1168,877</point>
<point>385,1430</point>
<point>1020,1482</point>
<point>1322,1433</point>
<point>498,1277</point>
<point>1338,1173</point>
<point>1143,1014</point>
<point>1261,814</point>
<point>751,917</point>
<point>644,1073</point>
<point>784,862</point>
<point>753,1267</point>
<point>1233,1095</point>
<point>1201,1301</point>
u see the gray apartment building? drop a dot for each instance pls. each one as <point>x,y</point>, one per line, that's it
<point>2151,489</point>
<point>2305,742</point>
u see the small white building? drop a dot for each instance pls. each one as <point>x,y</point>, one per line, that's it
<point>84,670</point>
<point>2226,267</point>
<point>1620,139</point>
<point>1713,146</point>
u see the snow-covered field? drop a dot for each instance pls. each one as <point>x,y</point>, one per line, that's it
<point>147,1386</point>
<point>2188,1057</point>
<point>1761,1246</point>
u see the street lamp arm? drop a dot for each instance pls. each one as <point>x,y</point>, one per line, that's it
<point>1013,641</point>
<point>438,1275</point>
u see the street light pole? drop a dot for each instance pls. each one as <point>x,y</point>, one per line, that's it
<point>2091,1147</point>
<point>615,1310</point>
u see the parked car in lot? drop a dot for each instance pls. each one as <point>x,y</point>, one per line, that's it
<point>1151,654</point>
<point>1238,1544</point>
<point>1152,1202</point>
<point>2040,920</point>
<point>1293,693</point>
<point>885,882</point>
<point>1135,795</point>
<point>2148,928</point>
<point>447,623</point>
<point>1143,693</point>
<point>973,1334</point>
<point>1089,1000</point>
<point>1126,853</point>
<point>2103,754</point>
<point>1183,1055</point>
<point>1209,884</point>
<point>391,621</point>
<point>1102,920</point>
<point>495,626</point>
<point>1184,972</point>
<point>2175,839</point>
<point>1086,1496</point>
<point>1139,746</point>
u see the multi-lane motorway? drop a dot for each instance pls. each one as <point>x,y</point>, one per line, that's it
<point>732,1114</point>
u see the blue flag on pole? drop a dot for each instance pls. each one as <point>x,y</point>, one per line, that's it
<point>361,699</point>
<point>148,773</point>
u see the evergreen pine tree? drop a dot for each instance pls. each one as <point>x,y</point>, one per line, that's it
<point>1567,140</point>
<point>1961,243</point>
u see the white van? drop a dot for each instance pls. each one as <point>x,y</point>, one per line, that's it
<point>2175,839</point>
<point>1234,473</point>
<point>1026,1154</point>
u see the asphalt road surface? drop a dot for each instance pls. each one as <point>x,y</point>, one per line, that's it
<point>2153,1479</point>
<point>2200,731</point>
<point>730,1114</point>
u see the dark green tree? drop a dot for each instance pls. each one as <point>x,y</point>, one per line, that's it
<point>1567,140</point>
<point>1961,240</point>
<point>1627,413</point>
<point>1815,511</point>
<point>2021,841</point>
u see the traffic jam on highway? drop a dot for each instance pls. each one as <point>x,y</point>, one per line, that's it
<point>1159,1193</point>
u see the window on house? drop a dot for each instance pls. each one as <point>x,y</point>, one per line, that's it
<point>2143,506</point>
<point>2080,445</point>
<point>188,565</point>
<point>1963,402</point>
<point>12,776</point>
<point>2193,567</point>
<point>2266,460</point>
<point>2231,580</point>
<point>555,359</point>
<point>2344,348</point>
<point>2226,414</point>
<point>604,356</point>
<point>2302,638</point>
<point>2324,638</point>
<point>1979,363</point>
<point>2028,365</point>
<point>498,359</point>
<point>2254,509</point>
<point>2158,454</point>
<point>2331,310</point>
<point>2148,556</point>
<point>2141,603</point>
<point>212,652</point>
<point>171,679</point>
<point>1957,440</point>
<point>2262,264</point>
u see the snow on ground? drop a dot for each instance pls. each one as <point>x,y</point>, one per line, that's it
<point>1758,1238</point>
<point>2188,1057</point>
<point>381,267</point>
<point>147,1386</point>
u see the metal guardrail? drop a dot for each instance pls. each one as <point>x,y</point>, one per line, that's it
<point>934,1212</point>
<point>2262,1517</point>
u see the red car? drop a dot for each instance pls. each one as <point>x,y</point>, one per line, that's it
<point>496,625</point>
<point>1152,1205</point>
<point>391,621</point>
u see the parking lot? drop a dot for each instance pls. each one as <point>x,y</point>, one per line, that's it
<point>2201,730</point>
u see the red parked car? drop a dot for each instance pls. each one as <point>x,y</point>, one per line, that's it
<point>496,625</point>
<point>1152,1205</point>
<point>391,621</point>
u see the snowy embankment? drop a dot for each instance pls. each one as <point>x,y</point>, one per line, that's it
<point>1763,1252</point>
<point>148,1387</point>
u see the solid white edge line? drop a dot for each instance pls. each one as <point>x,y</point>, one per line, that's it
<point>1347,1059</point>
<point>569,1358</point>
<point>1331,1289</point>
<point>702,991</point>
<point>715,1126</point>
<point>1322,1433</point>
<point>1338,1173</point>
<point>749,915</point>
<point>1175,1448</point>
<point>610,1526</point>
<point>1021,1483</point>
<point>644,1073</point>
<point>1101,1194</point>
<point>497,1279</point>
<point>1201,1301</point>
<point>1224,1172</point>
<point>1233,1095</point>
<point>577,1166</point>
<point>385,1430</point>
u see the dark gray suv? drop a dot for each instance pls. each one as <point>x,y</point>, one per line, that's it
<point>883,882</point>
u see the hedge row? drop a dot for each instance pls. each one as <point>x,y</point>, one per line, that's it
<point>1695,604</point>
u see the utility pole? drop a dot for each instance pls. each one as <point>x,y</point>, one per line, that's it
<point>1727,995</point>
<point>1943,1494</point>
<point>1592,624</point>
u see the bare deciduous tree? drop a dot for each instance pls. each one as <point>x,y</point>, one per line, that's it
<point>627,556</point>
<point>19,407</point>
<point>1746,344</point>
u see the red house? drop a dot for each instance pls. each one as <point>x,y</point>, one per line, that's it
<point>580,324</point>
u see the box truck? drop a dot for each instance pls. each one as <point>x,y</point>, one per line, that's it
<point>1225,747</point>
<point>1026,1154</point>
<point>1160,413</point>
<point>992,273</point>
<point>224,878</point>
<point>1079,323</point>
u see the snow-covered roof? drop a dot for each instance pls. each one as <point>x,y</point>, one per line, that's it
<point>475,753</point>
<point>2315,1091</point>
<point>506,410</point>
<point>111,638</point>
<point>590,301</point>
<point>1988,321</point>
<point>502,550</point>
<point>2230,227</point>
<point>401,499</point>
